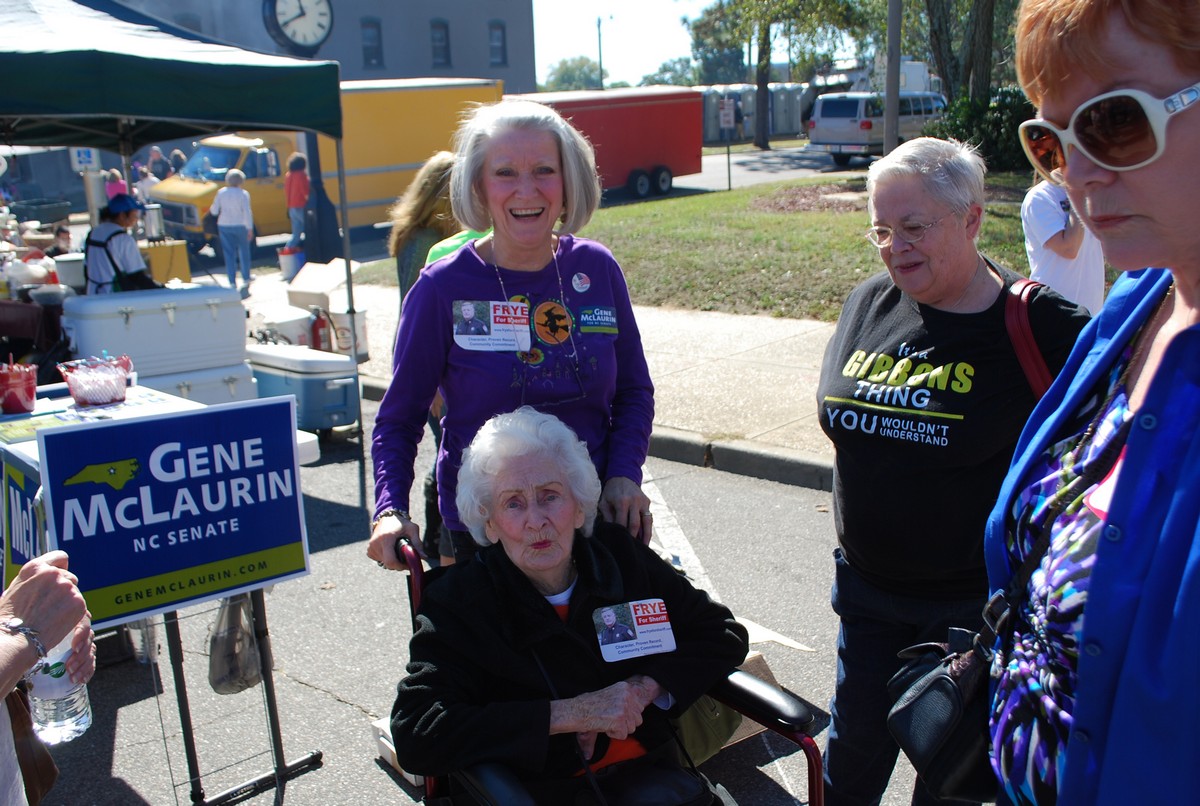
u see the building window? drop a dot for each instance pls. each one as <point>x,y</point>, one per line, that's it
<point>498,43</point>
<point>372,42</point>
<point>439,36</point>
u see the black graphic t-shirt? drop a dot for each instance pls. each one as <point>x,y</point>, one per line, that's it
<point>924,408</point>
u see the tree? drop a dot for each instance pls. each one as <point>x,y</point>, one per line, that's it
<point>579,73</point>
<point>717,46</point>
<point>679,72</point>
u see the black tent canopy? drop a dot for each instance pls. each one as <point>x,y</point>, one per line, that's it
<point>96,73</point>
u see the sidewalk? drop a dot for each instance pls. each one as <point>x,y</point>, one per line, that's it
<point>737,393</point>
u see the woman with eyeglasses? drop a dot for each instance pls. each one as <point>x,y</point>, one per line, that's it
<point>923,396</point>
<point>1097,698</point>
<point>551,326</point>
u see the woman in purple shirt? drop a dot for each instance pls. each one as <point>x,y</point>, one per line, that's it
<point>554,326</point>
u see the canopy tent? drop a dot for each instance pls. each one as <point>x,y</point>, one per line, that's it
<point>95,73</point>
<point>99,74</point>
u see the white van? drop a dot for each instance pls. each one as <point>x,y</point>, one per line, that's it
<point>849,123</point>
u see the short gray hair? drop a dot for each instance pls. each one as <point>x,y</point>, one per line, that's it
<point>952,171</point>
<point>521,433</point>
<point>581,185</point>
<point>234,177</point>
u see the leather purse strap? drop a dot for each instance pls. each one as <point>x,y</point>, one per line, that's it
<point>1016,320</point>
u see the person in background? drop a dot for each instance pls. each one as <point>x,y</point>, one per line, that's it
<point>1062,252</point>
<point>38,610</point>
<point>296,188</point>
<point>177,159</point>
<point>115,183</point>
<point>235,224</point>
<point>505,664</point>
<point>1099,687</point>
<point>421,218</point>
<point>111,258</point>
<point>62,241</point>
<point>923,396</point>
<point>569,342</point>
<point>157,163</point>
<point>146,181</point>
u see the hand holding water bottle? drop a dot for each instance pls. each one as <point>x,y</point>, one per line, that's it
<point>45,599</point>
<point>43,614</point>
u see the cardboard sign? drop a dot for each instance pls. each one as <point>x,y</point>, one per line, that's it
<point>164,511</point>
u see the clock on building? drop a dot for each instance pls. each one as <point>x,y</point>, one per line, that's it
<point>301,26</point>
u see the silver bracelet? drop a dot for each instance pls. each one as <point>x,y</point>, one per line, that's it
<point>16,626</point>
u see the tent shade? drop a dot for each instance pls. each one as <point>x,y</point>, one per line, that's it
<point>96,73</point>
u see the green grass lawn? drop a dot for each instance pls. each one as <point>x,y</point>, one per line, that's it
<point>786,249</point>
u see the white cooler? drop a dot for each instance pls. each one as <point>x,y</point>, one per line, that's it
<point>325,384</point>
<point>164,331</point>
<point>208,386</point>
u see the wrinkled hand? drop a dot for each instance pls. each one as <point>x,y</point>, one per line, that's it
<point>45,595</point>
<point>382,546</point>
<point>615,710</point>
<point>82,663</point>
<point>622,502</point>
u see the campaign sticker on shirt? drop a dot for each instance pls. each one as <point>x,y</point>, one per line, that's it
<point>552,322</point>
<point>598,319</point>
<point>581,282</point>
<point>633,629</point>
<point>491,326</point>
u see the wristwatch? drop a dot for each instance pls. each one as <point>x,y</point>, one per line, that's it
<point>16,626</point>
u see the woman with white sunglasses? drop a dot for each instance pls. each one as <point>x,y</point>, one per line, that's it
<point>1099,700</point>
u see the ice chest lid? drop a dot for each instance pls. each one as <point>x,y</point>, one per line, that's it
<point>298,358</point>
<point>151,300</point>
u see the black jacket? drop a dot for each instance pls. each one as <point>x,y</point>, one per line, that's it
<point>474,691</point>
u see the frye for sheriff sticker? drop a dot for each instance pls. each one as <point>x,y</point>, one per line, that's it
<point>491,326</point>
<point>633,629</point>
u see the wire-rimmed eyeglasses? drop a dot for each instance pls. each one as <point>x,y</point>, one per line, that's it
<point>909,233</point>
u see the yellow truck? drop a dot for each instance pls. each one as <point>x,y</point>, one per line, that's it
<point>389,128</point>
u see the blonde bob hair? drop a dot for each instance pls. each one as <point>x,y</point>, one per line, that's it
<point>581,185</point>
<point>1057,38</point>
<point>523,433</point>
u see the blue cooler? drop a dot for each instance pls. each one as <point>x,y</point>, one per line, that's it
<point>325,384</point>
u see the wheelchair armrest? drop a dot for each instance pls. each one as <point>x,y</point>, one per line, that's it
<point>766,703</point>
<point>494,784</point>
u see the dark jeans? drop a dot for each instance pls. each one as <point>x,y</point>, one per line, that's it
<point>875,625</point>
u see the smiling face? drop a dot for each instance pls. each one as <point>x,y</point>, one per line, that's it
<point>522,185</point>
<point>937,269</point>
<point>533,515</point>
<point>1143,217</point>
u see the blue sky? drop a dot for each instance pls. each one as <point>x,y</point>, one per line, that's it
<point>637,35</point>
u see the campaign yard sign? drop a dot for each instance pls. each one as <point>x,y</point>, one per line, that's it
<point>163,511</point>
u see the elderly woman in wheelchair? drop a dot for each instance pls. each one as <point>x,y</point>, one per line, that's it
<point>506,662</point>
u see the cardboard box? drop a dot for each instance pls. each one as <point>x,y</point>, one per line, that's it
<point>755,664</point>
<point>381,729</point>
<point>316,282</point>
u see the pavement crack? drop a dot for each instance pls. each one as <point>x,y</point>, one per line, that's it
<point>372,715</point>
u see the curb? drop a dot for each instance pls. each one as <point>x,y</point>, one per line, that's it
<point>743,457</point>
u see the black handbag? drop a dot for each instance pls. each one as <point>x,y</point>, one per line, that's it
<point>942,697</point>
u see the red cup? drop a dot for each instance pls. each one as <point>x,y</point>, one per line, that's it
<point>18,388</point>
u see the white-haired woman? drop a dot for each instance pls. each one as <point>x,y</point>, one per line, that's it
<point>557,329</point>
<point>507,663</point>
<point>923,396</point>
<point>235,225</point>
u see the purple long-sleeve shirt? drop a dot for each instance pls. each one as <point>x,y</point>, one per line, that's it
<point>585,365</point>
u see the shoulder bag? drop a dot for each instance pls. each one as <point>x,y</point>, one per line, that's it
<point>941,695</point>
<point>1016,320</point>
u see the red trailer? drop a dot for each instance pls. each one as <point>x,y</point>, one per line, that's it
<point>644,136</point>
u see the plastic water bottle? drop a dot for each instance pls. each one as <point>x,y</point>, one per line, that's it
<point>61,709</point>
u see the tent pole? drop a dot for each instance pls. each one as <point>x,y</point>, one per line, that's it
<point>343,210</point>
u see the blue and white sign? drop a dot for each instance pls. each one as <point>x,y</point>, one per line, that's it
<point>161,511</point>
<point>85,159</point>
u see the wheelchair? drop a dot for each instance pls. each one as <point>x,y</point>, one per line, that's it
<point>765,703</point>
